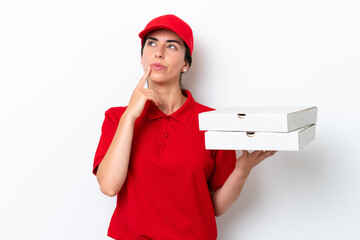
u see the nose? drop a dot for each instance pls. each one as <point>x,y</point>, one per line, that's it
<point>159,53</point>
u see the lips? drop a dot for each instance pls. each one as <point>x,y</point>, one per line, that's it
<point>157,66</point>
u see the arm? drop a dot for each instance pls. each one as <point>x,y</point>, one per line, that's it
<point>112,170</point>
<point>225,196</point>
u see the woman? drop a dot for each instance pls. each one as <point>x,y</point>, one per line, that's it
<point>152,155</point>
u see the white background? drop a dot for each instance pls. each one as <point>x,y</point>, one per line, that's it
<point>64,63</point>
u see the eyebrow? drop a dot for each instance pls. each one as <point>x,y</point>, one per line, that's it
<point>155,39</point>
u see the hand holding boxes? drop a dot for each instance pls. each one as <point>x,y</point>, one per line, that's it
<point>259,128</point>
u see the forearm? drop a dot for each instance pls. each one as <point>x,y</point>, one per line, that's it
<point>224,197</point>
<point>112,171</point>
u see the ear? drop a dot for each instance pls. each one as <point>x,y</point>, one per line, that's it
<point>185,67</point>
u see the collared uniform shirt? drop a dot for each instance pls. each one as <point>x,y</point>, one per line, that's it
<point>166,194</point>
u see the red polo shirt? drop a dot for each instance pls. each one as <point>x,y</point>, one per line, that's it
<point>166,192</point>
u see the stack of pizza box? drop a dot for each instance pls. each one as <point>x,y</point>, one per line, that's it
<point>259,128</point>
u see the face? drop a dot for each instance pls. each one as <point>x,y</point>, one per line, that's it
<point>164,52</point>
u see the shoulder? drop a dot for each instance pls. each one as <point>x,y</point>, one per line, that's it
<point>198,106</point>
<point>203,108</point>
<point>115,113</point>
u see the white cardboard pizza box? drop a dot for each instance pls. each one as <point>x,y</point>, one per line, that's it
<point>275,141</point>
<point>263,119</point>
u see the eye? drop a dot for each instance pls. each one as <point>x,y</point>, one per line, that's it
<point>151,43</point>
<point>172,46</point>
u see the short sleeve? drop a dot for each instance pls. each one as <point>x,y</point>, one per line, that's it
<point>224,164</point>
<point>108,129</point>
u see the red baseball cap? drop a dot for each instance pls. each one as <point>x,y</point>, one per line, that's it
<point>172,23</point>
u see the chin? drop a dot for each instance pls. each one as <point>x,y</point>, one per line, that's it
<point>158,77</point>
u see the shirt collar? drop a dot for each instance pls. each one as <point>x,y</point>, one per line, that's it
<point>182,114</point>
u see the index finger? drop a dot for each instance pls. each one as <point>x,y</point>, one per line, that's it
<point>142,81</point>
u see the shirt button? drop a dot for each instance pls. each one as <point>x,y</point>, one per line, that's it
<point>166,134</point>
<point>167,119</point>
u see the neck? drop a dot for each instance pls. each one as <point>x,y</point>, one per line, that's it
<point>171,97</point>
